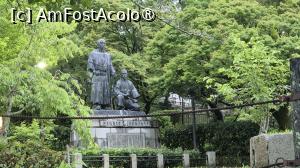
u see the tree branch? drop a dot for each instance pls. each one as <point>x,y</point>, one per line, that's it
<point>18,112</point>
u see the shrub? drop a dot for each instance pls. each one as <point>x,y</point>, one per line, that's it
<point>138,151</point>
<point>228,138</point>
<point>29,154</point>
<point>27,147</point>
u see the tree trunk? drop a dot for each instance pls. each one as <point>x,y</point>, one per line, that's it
<point>264,125</point>
<point>148,102</point>
<point>218,114</point>
<point>282,117</point>
<point>6,121</point>
<point>147,107</point>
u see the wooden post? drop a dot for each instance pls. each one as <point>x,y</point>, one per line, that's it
<point>295,88</point>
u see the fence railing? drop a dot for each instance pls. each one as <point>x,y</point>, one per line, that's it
<point>159,161</point>
<point>92,161</point>
<point>233,161</point>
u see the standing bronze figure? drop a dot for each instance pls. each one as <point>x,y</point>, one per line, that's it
<point>101,71</point>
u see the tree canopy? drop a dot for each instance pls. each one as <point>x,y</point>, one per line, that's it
<point>227,52</point>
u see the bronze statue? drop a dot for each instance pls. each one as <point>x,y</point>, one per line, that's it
<point>101,71</point>
<point>126,93</point>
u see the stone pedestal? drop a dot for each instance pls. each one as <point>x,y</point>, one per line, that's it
<point>122,132</point>
<point>265,149</point>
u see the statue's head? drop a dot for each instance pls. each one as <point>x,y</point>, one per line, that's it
<point>101,44</point>
<point>124,74</point>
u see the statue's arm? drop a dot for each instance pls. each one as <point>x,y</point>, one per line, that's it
<point>90,67</point>
<point>112,69</point>
<point>134,92</point>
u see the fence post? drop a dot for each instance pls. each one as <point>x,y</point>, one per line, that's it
<point>105,161</point>
<point>78,160</point>
<point>160,161</point>
<point>295,89</point>
<point>133,161</point>
<point>211,159</point>
<point>186,160</point>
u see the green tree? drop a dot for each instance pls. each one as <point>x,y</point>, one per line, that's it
<point>29,90</point>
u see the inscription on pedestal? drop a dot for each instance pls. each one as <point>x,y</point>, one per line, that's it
<point>118,113</point>
<point>125,123</point>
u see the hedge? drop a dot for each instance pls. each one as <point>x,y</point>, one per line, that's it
<point>226,138</point>
<point>137,151</point>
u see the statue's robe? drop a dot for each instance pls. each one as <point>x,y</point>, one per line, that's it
<point>99,63</point>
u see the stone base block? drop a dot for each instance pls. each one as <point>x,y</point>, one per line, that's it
<point>265,149</point>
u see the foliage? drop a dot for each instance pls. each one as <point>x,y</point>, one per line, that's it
<point>163,121</point>
<point>24,88</point>
<point>29,154</point>
<point>229,138</point>
<point>31,132</point>
<point>228,52</point>
<point>28,146</point>
<point>3,143</point>
<point>276,131</point>
<point>231,51</point>
<point>137,151</point>
<point>63,164</point>
<point>221,42</point>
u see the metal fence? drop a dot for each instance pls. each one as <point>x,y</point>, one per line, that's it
<point>147,161</point>
<point>173,161</point>
<point>233,161</point>
<point>120,161</point>
<point>93,161</point>
<point>198,161</point>
<point>151,161</point>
